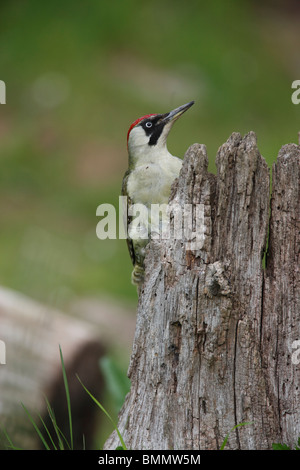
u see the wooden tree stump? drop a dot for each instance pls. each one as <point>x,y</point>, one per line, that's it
<point>214,332</point>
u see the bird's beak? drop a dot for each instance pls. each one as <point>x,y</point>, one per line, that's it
<point>176,113</point>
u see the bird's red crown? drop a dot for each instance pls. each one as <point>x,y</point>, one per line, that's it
<point>136,122</point>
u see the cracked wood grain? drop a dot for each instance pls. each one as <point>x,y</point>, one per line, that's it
<point>214,331</point>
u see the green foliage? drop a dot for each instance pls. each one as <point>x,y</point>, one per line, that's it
<point>63,443</point>
<point>67,396</point>
<point>116,380</point>
<point>118,386</point>
<point>49,444</point>
<point>232,429</point>
<point>10,444</point>
<point>123,446</point>
<point>278,446</point>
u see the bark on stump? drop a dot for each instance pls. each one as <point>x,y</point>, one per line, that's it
<point>215,331</point>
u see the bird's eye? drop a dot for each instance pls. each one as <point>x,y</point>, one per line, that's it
<point>149,124</point>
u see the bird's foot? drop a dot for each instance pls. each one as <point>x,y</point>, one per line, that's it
<point>137,276</point>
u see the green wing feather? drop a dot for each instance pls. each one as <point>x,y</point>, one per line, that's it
<point>127,218</point>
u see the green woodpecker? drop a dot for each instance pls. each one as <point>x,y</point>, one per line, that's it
<point>148,180</point>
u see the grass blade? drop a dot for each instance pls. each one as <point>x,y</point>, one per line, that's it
<point>11,445</point>
<point>68,397</point>
<point>227,436</point>
<point>106,413</point>
<point>48,433</point>
<point>36,428</point>
<point>60,436</point>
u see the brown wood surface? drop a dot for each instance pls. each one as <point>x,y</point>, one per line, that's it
<point>215,329</point>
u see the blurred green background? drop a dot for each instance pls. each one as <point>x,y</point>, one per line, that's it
<point>78,74</point>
